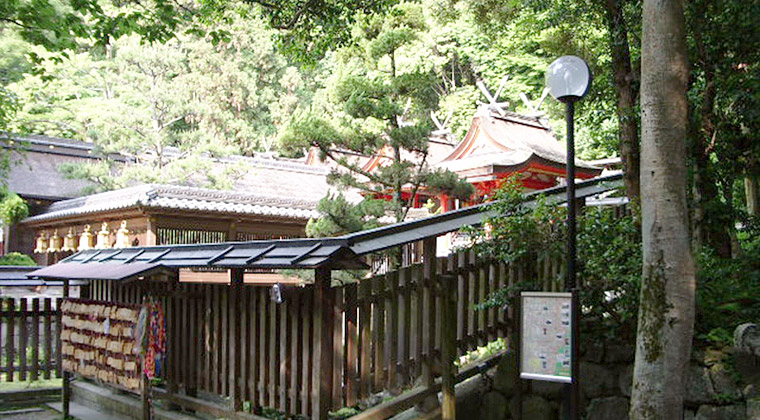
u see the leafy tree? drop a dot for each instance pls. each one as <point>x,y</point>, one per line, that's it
<point>167,107</point>
<point>723,119</point>
<point>382,94</point>
<point>520,39</point>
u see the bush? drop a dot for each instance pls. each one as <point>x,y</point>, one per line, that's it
<point>728,294</point>
<point>609,257</point>
<point>17,258</point>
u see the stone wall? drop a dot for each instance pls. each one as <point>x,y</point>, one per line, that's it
<point>721,385</point>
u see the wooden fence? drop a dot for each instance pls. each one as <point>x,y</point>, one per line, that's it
<point>29,339</point>
<point>235,342</point>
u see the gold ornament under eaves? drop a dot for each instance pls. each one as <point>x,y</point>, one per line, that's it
<point>103,237</point>
<point>55,242</point>
<point>70,242</point>
<point>86,239</point>
<point>42,243</point>
<point>122,236</point>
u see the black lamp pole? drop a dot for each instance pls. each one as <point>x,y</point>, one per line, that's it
<point>569,79</point>
<point>572,391</point>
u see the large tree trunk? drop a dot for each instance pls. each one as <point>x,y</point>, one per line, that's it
<point>666,312</point>
<point>626,95</point>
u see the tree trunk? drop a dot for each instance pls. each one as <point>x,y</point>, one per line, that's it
<point>626,96</point>
<point>752,194</point>
<point>666,312</point>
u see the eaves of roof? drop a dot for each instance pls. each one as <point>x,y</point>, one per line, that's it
<point>168,197</point>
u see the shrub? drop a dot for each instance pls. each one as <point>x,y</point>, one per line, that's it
<point>17,258</point>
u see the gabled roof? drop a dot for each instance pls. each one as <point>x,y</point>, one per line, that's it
<point>335,253</point>
<point>502,142</point>
<point>173,197</point>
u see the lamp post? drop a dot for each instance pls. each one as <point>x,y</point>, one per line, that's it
<point>569,79</point>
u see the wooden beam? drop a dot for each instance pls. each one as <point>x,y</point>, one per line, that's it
<point>322,378</point>
<point>448,345</point>
<point>408,399</point>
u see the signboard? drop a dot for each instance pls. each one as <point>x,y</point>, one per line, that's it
<point>546,336</point>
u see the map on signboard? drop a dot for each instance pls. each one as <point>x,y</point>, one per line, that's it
<point>546,336</point>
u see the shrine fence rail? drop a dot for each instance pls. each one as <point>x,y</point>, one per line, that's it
<point>29,339</point>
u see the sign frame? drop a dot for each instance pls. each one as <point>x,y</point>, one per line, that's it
<point>564,301</point>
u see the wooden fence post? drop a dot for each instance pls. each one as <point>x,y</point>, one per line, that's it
<point>322,378</point>
<point>236,289</point>
<point>428,316</point>
<point>10,349</point>
<point>448,345</point>
<point>66,391</point>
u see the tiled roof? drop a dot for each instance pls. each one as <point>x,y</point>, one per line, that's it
<point>153,196</point>
<point>36,159</point>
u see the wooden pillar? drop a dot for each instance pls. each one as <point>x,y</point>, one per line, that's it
<point>66,381</point>
<point>236,289</point>
<point>448,344</point>
<point>428,316</point>
<point>232,232</point>
<point>322,378</point>
<point>151,238</point>
<point>146,411</point>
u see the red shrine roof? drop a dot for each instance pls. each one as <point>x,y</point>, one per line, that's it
<point>502,144</point>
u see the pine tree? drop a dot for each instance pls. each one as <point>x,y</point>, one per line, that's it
<point>384,95</point>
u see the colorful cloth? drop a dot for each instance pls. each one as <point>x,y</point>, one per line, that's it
<point>155,347</point>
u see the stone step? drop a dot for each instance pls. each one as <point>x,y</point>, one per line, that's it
<point>121,405</point>
<point>80,412</point>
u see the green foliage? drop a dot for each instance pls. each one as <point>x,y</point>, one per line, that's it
<point>518,232</point>
<point>482,352</point>
<point>341,217</point>
<point>609,257</point>
<point>12,208</point>
<point>728,294</point>
<point>609,252</point>
<point>17,258</point>
<point>169,107</point>
<point>378,100</point>
<point>344,413</point>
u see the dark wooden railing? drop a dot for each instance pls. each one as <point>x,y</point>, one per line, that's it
<point>233,341</point>
<point>29,339</point>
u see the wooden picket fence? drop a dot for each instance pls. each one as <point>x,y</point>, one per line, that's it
<point>29,339</point>
<point>237,343</point>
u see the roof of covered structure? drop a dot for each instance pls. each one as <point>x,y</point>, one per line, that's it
<point>173,197</point>
<point>509,141</point>
<point>335,253</point>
